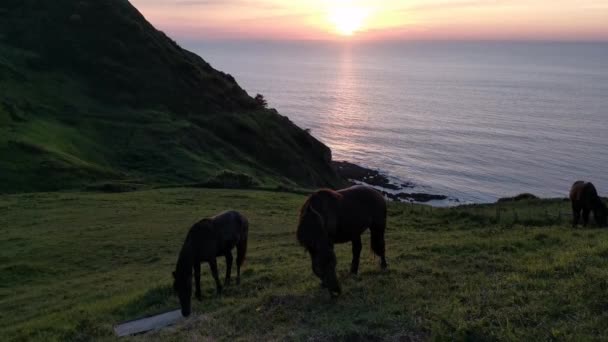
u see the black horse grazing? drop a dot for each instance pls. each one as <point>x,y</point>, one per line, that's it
<point>206,240</point>
<point>329,217</point>
<point>584,197</point>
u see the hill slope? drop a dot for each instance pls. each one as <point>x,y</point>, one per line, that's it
<point>90,92</point>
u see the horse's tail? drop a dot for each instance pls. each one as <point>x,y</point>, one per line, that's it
<point>241,247</point>
<point>377,235</point>
<point>377,240</point>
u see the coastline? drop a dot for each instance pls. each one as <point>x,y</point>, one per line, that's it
<point>394,190</point>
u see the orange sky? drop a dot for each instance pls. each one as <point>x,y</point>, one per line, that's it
<point>380,19</point>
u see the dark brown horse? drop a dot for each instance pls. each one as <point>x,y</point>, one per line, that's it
<point>584,198</point>
<point>329,217</point>
<point>206,240</point>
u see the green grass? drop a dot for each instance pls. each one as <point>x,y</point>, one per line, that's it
<point>74,264</point>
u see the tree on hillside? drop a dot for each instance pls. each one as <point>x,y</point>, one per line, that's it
<point>261,101</point>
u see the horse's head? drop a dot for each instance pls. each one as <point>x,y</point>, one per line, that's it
<point>182,285</point>
<point>182,276</point>
<point>318,219</point>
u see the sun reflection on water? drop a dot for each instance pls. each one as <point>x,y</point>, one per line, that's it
<point>346,115</point>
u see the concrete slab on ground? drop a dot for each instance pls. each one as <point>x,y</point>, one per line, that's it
<point>141,325</point>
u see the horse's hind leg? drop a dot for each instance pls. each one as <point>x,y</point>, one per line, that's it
<point>354,267</point>
<point>586,212</point>
<point>238,274</point>
<point>197,280</point>
<point>213,266</point>
<point>241,251</point>
<point>377,240</point>
<point>576,214</point>
<point>228,268</point>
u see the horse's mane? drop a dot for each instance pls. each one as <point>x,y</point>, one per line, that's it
<point>304,208</point>
<point>307,203</point>
<point>305,235</point>
<point>184,261</point>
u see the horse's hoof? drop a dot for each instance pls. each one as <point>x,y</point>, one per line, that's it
<point>238,281</point>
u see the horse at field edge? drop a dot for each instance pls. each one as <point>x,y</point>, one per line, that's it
<point>206,240</point>
<point>328,217</point>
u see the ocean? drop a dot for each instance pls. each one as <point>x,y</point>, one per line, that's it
<point>472,120</point>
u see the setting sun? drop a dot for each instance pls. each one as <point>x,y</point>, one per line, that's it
<point>347,20</point>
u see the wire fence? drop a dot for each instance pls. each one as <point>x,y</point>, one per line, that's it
<point>557,213</point>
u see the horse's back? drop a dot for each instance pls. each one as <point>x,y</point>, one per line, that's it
<point>364,195</point>
<point>231,224</point>
<point>361,200</point>
<point>583,191</point>
<point>590,191</point>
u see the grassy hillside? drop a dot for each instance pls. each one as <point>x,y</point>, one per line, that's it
<point>74,264</point>
<point>90,92</point>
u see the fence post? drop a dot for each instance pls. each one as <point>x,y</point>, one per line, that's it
<point>497,213</point>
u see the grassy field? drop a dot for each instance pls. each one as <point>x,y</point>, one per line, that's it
<point>74,264</point>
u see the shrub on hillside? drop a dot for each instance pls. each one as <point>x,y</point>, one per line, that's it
<point>230,179</point>
<point>520,197</point>
<point>112,187</point>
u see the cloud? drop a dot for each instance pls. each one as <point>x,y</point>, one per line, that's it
<point>451,5</point>
<point>209,3</point>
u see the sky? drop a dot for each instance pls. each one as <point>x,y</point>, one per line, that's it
<point>556,20</point>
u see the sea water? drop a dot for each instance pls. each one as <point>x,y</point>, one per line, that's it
<point>473,120</point>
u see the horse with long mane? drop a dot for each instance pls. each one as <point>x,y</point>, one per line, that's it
<point>328,217</point>
<point>208,239</point>
<point>584,198</point>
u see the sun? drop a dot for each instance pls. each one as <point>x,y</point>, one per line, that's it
<point>347,20</point>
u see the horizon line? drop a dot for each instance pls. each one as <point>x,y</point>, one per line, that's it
<point>389,40</point>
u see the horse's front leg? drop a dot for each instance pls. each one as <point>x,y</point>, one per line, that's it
<point>197,281</point>
<point>317,272</point>
<point>586,212</point>
<point>357,246</point>
<point>238,273</point>
<point>576,214</point>
<point>228,267</point>
<point>213,266</point>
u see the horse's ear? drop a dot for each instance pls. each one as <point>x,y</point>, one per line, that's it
<point>173,273</point>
